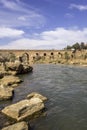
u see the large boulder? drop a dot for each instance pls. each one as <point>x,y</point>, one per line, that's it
<point>6,93</point>
<point>18,67</point>
<point>14,66</point>
<point>36,95</point>
<point>25,108</point>
<point>17,126</point>
<point>27,69</point>
<point>10,80</point>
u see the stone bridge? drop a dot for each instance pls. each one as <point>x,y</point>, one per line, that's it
<point>52,56</point>
<point>33,53</point>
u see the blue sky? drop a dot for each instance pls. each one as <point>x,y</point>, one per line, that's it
<point>42,24</point>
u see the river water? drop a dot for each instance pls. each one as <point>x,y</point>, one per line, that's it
<point>66,90</point>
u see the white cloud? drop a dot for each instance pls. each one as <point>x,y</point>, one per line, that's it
<point>22,18</point>
<point>69,15</point>
<point>9,4</point>
<point>10,33</point>
<point>79,7</point>
<point>17,13</point>
<point>16,5</point>
<point>54,39</point>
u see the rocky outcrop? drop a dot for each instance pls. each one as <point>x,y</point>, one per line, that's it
<point>18,67</point>
<point>6,93</point>
<point>36,95</point>
<point>25,108</point>
<point>17,126</point>
<point>10,80</point>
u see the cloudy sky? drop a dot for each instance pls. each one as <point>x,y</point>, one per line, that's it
<point>42,24</point>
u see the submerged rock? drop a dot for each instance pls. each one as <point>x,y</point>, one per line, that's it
<point>17,126</point>
<point>6,93</point>
<point>25,108</point>
<point>36,95</point>
<point>10,80</point>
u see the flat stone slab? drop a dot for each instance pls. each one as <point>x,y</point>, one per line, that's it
<point>10,80</point>
<point>18,126</point>
<point>6,93</point>
<point>25,108</point>
<point>36,95</point>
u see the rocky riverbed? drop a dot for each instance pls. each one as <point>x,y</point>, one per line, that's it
<point>30,107</point>
<point>24,110</point>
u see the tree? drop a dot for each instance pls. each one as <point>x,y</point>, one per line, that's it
<point>68,47</point>
<point>76,46</point>
<point>82,45</point>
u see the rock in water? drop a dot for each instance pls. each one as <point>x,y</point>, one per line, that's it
<point>36,95</point>
<point>10,80</point>
<point>25,108</point>
<point>18,126</point>
<point>6,93</point>
<point>18,67</point>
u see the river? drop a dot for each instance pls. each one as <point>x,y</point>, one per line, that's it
<point>66,89</point>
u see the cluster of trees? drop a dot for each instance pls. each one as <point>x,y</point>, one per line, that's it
<point>77,46</point>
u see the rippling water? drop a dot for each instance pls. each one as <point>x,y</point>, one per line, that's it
<point>66,89</point>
